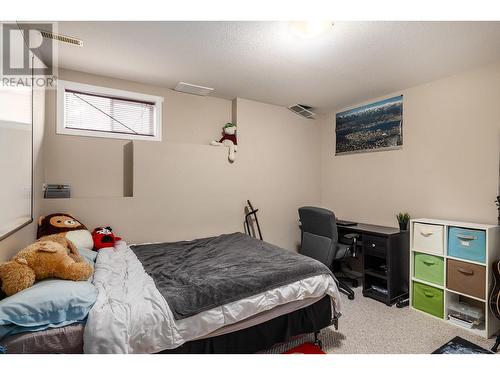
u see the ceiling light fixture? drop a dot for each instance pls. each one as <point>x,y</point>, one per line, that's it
<point>309,29</point>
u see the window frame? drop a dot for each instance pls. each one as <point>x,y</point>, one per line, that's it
<point>61,128</point>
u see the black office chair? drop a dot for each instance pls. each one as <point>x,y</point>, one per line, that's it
<point>320,241</point>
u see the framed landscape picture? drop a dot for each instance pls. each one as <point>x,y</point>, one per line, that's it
<point>373,127</point>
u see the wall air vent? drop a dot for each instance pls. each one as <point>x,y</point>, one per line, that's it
<point>303,110</point>
<point>188,88</point>
<point>62,38</point>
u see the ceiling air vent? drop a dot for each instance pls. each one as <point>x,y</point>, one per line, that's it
<point>303,110</point>
<point>61,38</point>
<point>193,89</point>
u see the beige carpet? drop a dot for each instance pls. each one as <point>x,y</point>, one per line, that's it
<point>368,326</point>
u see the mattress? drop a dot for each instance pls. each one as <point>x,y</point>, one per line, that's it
<point>64,340</point>
<point>263,317</point>
<point>69,339</point>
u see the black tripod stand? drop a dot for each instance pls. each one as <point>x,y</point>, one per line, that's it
<point>252,211</point>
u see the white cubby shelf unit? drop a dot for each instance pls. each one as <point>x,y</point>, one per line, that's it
<point>438,276</point>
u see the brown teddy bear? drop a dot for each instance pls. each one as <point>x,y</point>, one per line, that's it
<point>41,260</point>
<point>72,250</point>
<point>65,226</point>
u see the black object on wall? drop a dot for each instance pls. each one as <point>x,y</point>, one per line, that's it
<point>498,208</point>
<point>252,212</point>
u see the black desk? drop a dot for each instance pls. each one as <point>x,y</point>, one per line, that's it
<point>385,265</point>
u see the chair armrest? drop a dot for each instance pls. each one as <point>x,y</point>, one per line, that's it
<point>351,235</point>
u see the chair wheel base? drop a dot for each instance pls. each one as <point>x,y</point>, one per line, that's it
<point>344,288</point>
<point>494,349</point>
<point>317,341</point>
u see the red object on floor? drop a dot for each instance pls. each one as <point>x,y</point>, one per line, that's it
<point>306,348</point>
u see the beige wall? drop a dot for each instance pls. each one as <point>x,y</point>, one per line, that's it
<point>95,166</point>
<point>448,167</point>
<point>15,242</point>
<point>184,188</point>
<point>15,195</point>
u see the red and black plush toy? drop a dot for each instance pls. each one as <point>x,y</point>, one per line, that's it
<point>104,237</point>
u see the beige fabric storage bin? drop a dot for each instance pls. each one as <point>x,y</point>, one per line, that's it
<point>428,238</point>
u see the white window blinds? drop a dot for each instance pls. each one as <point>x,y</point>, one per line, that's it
<point>101,113</point>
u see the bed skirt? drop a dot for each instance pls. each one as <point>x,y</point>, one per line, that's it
<point>262,336</point>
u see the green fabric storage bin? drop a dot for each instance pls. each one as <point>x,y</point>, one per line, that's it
<point>428,299</point>
<point>428,268</point>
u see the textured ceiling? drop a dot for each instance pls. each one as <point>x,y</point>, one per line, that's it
<point>263,61</point>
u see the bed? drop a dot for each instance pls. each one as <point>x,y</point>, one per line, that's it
<point>225,294</point>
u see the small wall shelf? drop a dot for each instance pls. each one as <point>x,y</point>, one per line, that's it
<point>460,255</point>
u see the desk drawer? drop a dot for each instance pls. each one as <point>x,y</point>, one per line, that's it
<point>429,268</point>
<point>466,278</point>
<point>375,245</point>
<point>429,299</point>
<point>428,238</point>
<point>467,244</point>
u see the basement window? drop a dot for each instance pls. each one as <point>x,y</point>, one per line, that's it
<point>94,111</point>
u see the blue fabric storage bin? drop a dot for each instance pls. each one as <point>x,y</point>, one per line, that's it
<point>467,244</point>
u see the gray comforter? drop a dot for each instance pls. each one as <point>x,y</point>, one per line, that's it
<point>195,276</point>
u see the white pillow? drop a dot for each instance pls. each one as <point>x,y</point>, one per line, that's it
<point>81,238</point>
